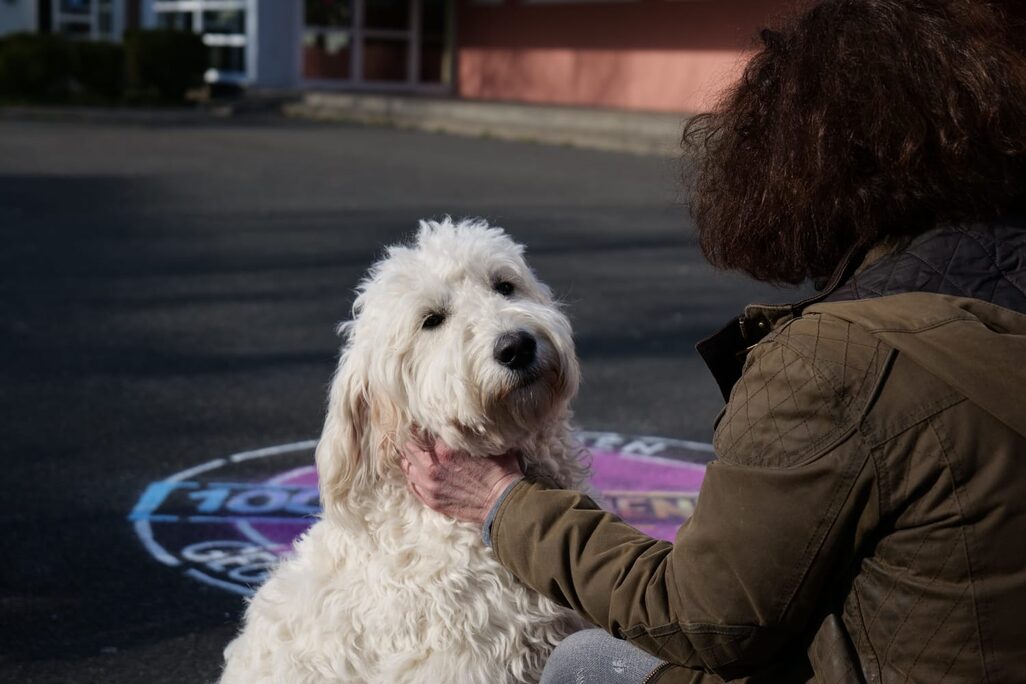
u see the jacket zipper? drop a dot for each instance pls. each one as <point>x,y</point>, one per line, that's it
<point>655,673</point>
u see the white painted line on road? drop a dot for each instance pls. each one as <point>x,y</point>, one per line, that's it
<point>201,468</point>
<point>142,528</point>
<point>213,581</point>
<point>271,451</point>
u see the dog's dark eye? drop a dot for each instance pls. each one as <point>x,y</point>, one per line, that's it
<point>433,320</point>
<point>504,287</point>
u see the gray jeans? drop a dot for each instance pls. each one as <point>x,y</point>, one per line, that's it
<point>593,656</point>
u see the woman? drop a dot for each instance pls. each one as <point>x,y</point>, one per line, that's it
<point>864,519</point>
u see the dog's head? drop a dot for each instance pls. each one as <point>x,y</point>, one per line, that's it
<point>452,336</point>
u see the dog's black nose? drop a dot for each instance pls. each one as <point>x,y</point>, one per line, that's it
<point>515,350</point>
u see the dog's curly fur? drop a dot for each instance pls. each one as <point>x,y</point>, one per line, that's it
<point>381,589</point>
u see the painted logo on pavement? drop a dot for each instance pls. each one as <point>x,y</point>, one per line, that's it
<point>227,521</point>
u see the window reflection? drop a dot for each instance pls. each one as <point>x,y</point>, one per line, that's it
<point>326,54</point>
<point>225,21</point>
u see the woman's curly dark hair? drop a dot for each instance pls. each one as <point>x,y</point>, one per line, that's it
<point>860,122</point>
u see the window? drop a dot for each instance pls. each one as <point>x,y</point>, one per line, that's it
<point>378,43</point>
<point>88,19</point>
<point>225,21</point>
<point>223,25</point>
<point>327,39</point>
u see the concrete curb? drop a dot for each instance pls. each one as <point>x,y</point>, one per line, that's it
<point>620,131</point>
<point>637,132</point>
<point>146,116</point>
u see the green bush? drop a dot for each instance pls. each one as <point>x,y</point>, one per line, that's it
<point>160,66</point>
<point>151,67</point>
<point>98,71</point>
<point>34,68</point>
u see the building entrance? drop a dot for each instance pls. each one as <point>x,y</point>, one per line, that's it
<point>378,44</point>
<point>223,25</point>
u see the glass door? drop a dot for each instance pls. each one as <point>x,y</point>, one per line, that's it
<point>377,44</point>
<point>222,24</point>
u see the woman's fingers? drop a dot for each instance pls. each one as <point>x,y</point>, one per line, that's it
<point>456,483</point>
<point>416,455</point>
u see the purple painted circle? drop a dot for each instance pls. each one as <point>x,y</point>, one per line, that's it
<point>227,521</point>
<point>285,534</point>
<point>656,495</point>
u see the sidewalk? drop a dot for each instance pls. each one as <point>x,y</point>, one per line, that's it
<point>127,116</point>
<point>605,129</point>
<point>642,133</point>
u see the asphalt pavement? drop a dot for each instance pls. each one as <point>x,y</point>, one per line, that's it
<point>169,296</point>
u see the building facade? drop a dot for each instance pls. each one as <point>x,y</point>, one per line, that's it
<point>648,55</point>
<point>384,45</point>
<point>86,19</point>
<point>654,55</point>
<point>18,16</point>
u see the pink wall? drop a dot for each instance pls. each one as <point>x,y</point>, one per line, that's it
<point>658,55</point>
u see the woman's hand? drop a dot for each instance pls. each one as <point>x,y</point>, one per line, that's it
<point>457,484</point>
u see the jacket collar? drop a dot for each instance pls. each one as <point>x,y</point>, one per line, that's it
<point>981,261</point>
<point>725,351</point>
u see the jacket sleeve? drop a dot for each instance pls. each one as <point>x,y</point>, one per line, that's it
<point>782,510</point>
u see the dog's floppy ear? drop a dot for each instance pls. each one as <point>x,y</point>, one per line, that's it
<point>342,458</point>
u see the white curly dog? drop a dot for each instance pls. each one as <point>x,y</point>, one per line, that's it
<point>453,335</point>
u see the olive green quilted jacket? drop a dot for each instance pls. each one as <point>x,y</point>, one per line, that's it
<point>865,519</point>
